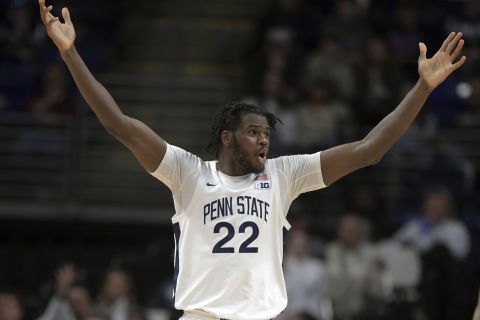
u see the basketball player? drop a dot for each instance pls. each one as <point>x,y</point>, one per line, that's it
<point>230,213</point>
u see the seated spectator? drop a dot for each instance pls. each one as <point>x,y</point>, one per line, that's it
<point>436,226</point>
<point>294,17</point>
<point>47,107</point>
<point>378,83</point>
<point>18,40</point>
<point>352,270</point>
<point>322,120</point>
<point>10,308</point>
<point>444,244</point>
<point>330,61</point>
<point>71,301</point>
<point>118,297</point>
<point>97,314</point>
<point>348,25</point>
<point>304,279</point>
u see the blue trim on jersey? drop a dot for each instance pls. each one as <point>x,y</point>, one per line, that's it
<point>176,234</point>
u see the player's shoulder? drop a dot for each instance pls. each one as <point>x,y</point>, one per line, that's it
<point>180,155</point>
<point>293,160</point>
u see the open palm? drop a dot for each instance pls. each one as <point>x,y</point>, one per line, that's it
<point>62,34</point>
<point>435,70</point>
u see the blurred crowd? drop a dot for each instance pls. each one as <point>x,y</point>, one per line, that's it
<point>330,70</point>
<point>421,271</point>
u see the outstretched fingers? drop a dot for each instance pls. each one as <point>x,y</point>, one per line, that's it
<point>459,63</point>
<point>66,16</point>
<point>453,43</point>
<point>458,49</point>
<point>447,41</point>
<point>423,51</point>
<point>45,14</point>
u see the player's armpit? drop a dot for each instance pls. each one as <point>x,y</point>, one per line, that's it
<point>147,146</point>
<point>341,160</point>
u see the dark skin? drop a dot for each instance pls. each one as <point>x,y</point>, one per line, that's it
<point>245,149</point>
<point>239,158</point>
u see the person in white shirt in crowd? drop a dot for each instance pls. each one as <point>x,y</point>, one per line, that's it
<point>118,297</point>
<point>353,272</point>
<point>304,278</point>
<point>436,226</point>
<point>70,301</point>
<point>443,242</point>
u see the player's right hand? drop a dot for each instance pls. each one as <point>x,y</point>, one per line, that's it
<point>62,34</point>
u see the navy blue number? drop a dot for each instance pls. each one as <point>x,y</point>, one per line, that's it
<point>218,248</point>
<point>244,247</point>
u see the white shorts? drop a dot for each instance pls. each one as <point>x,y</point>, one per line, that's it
<point>193,316</point>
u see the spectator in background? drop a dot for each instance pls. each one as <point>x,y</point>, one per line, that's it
<point>18,37</point>
<point>71,301</point>
<point>305,280</point>
<point>329,61</point>
<point>437,226</point>
<point>10,308</point>
<point>54,97</point>
<point>276,56</point>
<point>274,97</point>
<point>353,274</point>
<point>404,35</point>
<point>97,314</point>
<point>322,120</point>
<point>292,17</point>
<point>444,244</point>
<point>349,26</point>
<point>378,83</point>
<point>301,316</point>
<point>47,109</point>
<point>117,295</point>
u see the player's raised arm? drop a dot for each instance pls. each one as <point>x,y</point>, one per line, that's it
<point>145,144</point>
<point>341,160</point>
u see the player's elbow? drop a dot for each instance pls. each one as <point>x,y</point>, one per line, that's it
<point>369,155</point>
<point>118,129</point>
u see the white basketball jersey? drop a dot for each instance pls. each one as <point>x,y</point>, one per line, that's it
<point>229,232</point>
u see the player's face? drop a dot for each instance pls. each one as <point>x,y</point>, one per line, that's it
<point>250,143</point>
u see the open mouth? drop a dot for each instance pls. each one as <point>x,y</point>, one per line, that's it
<point>262,157</point>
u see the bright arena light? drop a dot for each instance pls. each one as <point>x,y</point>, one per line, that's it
<point>464,90</point>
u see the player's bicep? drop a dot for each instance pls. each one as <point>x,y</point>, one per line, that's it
<point>147,146</point>
<point>341,160</point>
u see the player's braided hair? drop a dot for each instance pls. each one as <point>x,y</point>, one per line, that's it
<point>229,119</point>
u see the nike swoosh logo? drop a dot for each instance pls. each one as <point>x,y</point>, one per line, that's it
<point>210,184</point>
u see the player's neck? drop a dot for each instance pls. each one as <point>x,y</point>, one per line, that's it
<point>228,166</point>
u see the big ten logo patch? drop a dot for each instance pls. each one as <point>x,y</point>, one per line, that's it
<point>259,185</point>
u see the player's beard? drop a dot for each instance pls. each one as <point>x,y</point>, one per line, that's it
<point>241,157</point>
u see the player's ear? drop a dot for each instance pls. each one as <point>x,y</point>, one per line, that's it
<point>226,137</point>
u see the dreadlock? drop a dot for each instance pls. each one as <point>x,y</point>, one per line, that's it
<point>229,119</point>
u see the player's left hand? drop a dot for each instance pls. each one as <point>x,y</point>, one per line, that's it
<point>435,70</point>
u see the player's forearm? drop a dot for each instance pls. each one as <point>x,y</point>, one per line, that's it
<point>94,93</point>
<point>391,128</point>
<point>476,314</point>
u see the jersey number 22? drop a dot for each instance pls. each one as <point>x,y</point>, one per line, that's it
<point>244,247</point>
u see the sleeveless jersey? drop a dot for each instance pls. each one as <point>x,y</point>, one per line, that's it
<point>229,232</point>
